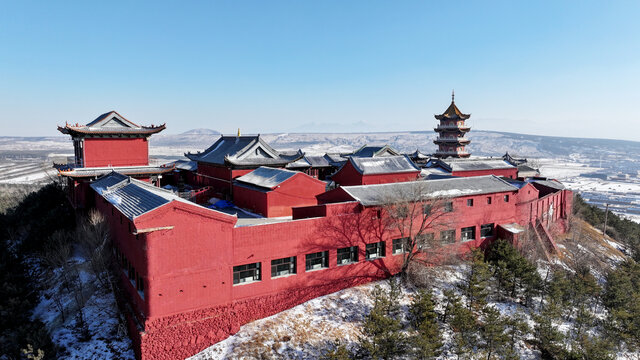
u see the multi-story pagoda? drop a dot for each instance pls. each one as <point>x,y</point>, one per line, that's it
<point>451,132</point>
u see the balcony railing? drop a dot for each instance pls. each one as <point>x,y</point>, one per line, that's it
<point>451,127</point>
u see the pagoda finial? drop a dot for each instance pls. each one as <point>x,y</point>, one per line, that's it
<point>238,132</point>
<point>453,95</point>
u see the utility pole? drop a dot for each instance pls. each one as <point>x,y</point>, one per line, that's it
<point>606,212</point>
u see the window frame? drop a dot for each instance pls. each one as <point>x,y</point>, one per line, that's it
<point>324,261</point>
<point>404,246</point>
<point>469,202</point>
<point>352,252</point>
<point>421,244</point>
<point>289,263</point>
<point>448,206</point>
<point>443,237</point>
<point>484,227</point>
<point>239,269</point>
<point>379,248</point>
<point>506,198</point>
<point>488,200</point>
<point>467,230</point>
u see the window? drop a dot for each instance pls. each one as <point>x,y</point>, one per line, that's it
<point>426,209</point>
<point>448,207</point>
<point>469,202</point>
<point>468,233</point>
<point>486,230</point>
<point>284,266</point>
<point>448,236</point>
<point>488,200</point>
<point>246,273</point>
<point>424,241</point>
<point>506,198</point>
<point>375,250</point>
<point>315,261</point>
<point>348,255</point>
<point>400,245</point>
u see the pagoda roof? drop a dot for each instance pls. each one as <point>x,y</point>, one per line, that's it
<point>453,113</point>
<point>110,123</point>
<point>243,151</point>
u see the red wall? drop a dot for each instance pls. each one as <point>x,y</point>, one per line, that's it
<point>191,302</point>
<point>348,176</point>
<point>511,173</point>
<point>100,152</point>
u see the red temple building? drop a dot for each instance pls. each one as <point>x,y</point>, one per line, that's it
<point>108,143</point>
<point>376,170</point>
<point>451,132</point>
<point>193,274</point>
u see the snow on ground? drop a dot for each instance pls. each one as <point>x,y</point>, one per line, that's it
<point>562,169</point>
<point>108,339</point>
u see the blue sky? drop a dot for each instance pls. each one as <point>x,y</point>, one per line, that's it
<point>567,68</point>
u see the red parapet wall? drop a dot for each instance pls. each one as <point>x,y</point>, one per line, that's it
<point>186,334</point>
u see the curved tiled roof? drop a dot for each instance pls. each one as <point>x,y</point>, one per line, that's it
<point>110,123</point>
<point>383,164</point>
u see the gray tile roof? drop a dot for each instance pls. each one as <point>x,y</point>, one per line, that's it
<point>133,197</point>
<point>380,194</point>
<point>473,164</point>
<point>550,183</point>
<point>127,170</point>
<point>318,161</point>
<point>383,165</point>
<point>373,151</point>
<point>266,177</point>
<point>243,150</point>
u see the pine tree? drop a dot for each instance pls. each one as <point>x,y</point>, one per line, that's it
<point>493,331</point>
<point>382,338</point>
<point>475,286</point>
<point>517,329</point>
<point>338,351</point>
<point>556,294</point>
<point>463,323</point>
<point>427,339</point>
<point>548,337</point>
<point>515,275</point>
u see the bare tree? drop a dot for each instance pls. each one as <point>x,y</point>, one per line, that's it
<point>415,213</point>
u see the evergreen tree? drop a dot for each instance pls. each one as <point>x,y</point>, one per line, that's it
<point>548,337</point>
<point>475,286</point>
<point>493,331</point>
<point>517,329</point>
<point>338,351</point>
<point>382,338</point>
<point>556,294</point>
<point>516,277</point>
<point>427,339</point>
<point>463,323</point>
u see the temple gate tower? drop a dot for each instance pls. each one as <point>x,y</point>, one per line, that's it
<point>451,132</point>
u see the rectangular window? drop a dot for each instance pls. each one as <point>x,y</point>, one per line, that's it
<point>448,236</point>
<point>488,200</point>
<point>375,250</point>
<point>424,241</point>
<point>246,273</point>
<point>284,266</point>
<point>506,198</point>
<point>400,245</point>
<point>448,206</point>
<point>348,255</point>
<point>315,261</point>
<point>468,233</point>
<point>426,209</point>
<point>486,230</point>
<point>469,202</point>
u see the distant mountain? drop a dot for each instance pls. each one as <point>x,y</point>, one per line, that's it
<point>201,132</point>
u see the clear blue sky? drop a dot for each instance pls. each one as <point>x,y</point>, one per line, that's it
<point>566,68</point>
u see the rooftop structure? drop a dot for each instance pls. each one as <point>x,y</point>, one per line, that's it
<point>243,151</point>
<point>451,132</point>
<point>376,170</point>
<point>375,151</point>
